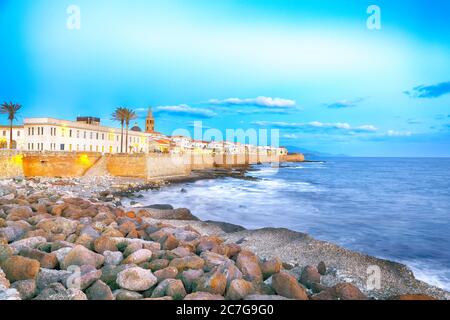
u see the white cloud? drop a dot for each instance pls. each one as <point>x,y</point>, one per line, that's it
<point>184,109</point>
<point>317,126</point>
<point>394,133</point>
<point>261,101</point>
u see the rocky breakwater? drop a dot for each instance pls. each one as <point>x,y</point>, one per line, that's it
<point>60,247</point>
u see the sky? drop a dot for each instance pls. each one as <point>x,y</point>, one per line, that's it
<point>313,70</point>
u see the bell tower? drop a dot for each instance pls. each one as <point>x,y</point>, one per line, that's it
<point>150,122</point>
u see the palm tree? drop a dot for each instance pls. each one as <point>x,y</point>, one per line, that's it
<point>11,110</point>
<point>119,115</point>
<point>129,115</point>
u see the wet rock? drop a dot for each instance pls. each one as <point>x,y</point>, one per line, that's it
<point>136,279</point>
<point>20,268</point>
<point>342,291</point>
<point>26,288</point>
<point>286,285</point>
<point>249,263</point>
<point>99,291</point>
<point>80,256</point>
<point>239,289</point>
<point>309,276</point>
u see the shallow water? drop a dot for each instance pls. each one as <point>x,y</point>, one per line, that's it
<point>395,208</point>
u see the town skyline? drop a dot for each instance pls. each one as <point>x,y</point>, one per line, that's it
<point>316,72</point>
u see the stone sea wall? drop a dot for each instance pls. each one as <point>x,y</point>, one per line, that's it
<point>144,166</point>
<point>11,164</point>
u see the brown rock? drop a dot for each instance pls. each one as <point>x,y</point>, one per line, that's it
<point>213,282</point>
<point>19,213</point>
<point>212,260</point>
<point>166,273</point>
<point>20,268</point>
<point>286,285</point>
<point>80,256</point>
<point>239,289</point>
<point>103,244</point>
<point>322,268</point>
<point>190,262</point>
<point>47,260</point>
<point>309,276</point>
<point>138,257</point>
<point>169,242</point>
<point>207,243</point>
<point>248,263</point>
<point>271,267</point>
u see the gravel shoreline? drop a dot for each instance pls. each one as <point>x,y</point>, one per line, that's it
<point>51,227</point>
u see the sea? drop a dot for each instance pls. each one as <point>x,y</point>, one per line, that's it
<point>392,208</point>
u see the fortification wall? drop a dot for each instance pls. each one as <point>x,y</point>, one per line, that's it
<point>11,164</point>
<point>127,165</point>
<point>168,165</point>
<point>58,164</point>
<point>296,157</point>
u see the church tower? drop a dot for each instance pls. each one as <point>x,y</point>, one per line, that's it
<point>150,122</point>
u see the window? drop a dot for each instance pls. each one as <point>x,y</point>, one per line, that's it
<point>103,136</point>
<point>91,135</point>
<point>90,148</point>
<point>18,133</point>
<point>70,133</point>
<point>70,147</point>
<point>32,131</point>
<point>4,133</point>
<point>85,136</point>
<point>61,147</point>
<point>96,136</point>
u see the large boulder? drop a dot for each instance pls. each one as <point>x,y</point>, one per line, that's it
<point>249,265</point>
<point>20,268</point>
<point>189,262</point>
<point>170,288</point>
<point>99,291</point>
<point>310,276</point>
<point>136,279</point>
<point>31,243</point>
<point>138,257</point>
<point>203,296</point>
<point>214,282</point>
<point>47,260</point>
<point>57,291</point>
<point>239,289</point>
<point>80,256</point>
<point>286,285</point>
<point>26,288</point>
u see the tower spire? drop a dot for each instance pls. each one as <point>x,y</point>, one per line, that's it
<point>150,122</point>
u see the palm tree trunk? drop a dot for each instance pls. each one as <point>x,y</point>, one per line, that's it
<point>10,134</point>
<point>126,141</point>
<point>121,139</point>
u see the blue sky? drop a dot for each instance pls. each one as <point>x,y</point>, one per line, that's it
<point>311,69</point>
